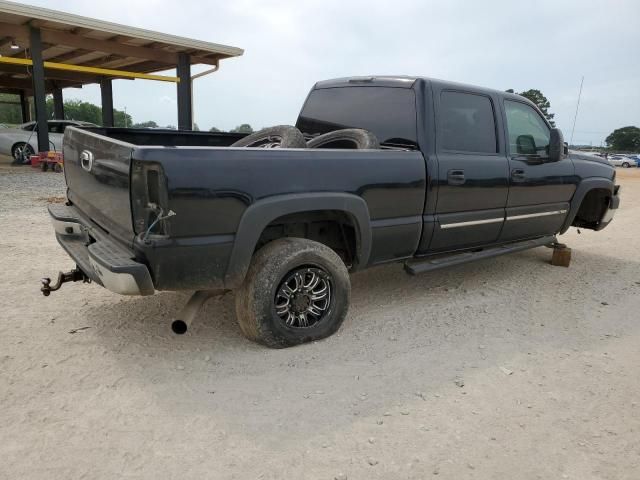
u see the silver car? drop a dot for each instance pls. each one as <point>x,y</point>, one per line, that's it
<point>623,161</point>
<point>22,141</point>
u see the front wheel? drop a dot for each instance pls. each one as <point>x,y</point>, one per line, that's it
<point>296,291</point>
<point>625,165</point>
<point>21,152</point>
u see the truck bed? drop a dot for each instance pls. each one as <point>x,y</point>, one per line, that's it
<point>211,186</point>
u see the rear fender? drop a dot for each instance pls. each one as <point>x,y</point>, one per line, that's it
<point>262,213</point>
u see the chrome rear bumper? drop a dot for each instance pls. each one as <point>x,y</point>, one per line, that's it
<point>102,258</point>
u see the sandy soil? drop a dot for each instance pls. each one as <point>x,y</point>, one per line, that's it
<point>503,369</point>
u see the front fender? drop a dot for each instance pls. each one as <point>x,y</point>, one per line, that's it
<point>583,188</point>
<point>260,214</point>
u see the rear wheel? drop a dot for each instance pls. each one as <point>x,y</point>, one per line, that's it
<point>21,152</point>
<point>625,165</point>
<point>296,291</point>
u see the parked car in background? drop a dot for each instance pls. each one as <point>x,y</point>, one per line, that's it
<point>623,161</point>
<point>22,141</point>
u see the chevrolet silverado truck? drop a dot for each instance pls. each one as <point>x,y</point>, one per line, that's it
<point>415,170</point>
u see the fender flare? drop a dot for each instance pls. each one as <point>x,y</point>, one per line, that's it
<point>260,214</point>
<point>583,188</point>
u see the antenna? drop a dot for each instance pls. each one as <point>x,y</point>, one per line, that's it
<point>576,115</point>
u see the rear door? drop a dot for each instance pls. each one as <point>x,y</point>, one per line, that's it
<point>472,170</point>
<point>539,190</point>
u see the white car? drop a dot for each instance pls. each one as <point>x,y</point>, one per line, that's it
<point>622,161</point>
<point>22,141</point>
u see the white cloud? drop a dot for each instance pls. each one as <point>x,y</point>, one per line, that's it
<point>290,44</point>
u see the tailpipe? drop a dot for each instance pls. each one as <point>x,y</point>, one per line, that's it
<point>180,325</point>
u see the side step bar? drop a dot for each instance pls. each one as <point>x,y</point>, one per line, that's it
<point>416,265</point>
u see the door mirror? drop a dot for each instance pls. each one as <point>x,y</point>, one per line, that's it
<point>556,145</point>
<point>525,145</point>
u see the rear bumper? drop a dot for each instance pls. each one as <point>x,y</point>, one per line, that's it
<point>103,259</point>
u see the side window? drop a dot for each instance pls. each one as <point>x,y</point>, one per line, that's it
<point>467,123</point>
<point>55,127</point>
<point>30,127</point>
<point>528,133</point>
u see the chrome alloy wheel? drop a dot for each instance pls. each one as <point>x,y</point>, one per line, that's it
<point>303,298</point>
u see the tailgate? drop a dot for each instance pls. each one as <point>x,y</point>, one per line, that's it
<point>97,174</point>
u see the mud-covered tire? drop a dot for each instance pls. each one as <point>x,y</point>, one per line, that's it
<point>282,136</point>
<point>353,138</point>
<point>270,267</point>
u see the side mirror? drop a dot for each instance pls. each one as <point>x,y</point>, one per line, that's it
<point>556,145</point>
<point>526,145</point>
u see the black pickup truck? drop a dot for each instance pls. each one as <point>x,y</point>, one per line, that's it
<point>454,173</point>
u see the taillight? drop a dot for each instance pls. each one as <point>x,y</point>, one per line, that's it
<point>149,198</point>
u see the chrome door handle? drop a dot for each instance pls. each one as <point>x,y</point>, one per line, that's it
<point>455,177</point>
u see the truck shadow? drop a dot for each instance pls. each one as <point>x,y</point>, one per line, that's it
<point>379,295</point>
<point>403,335</point>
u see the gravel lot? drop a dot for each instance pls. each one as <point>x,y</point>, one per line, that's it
<point>503,369</point>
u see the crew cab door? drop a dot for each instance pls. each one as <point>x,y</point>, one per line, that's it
<point>539,190</point>
<point>472,170</point>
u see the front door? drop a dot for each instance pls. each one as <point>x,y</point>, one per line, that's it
<point>472,171</point>
<point>539,190</point>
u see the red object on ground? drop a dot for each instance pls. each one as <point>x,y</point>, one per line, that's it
<point>44,160</point>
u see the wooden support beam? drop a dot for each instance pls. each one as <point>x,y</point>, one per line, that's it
<point>50,74</point>
<point>94,70</point>
<point>39,89</point>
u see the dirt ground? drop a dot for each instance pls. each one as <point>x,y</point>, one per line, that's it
<point>507,368</point>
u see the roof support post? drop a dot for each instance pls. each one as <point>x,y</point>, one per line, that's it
<point>39,89</point>
<point>185,113</point>
<point>24,107</point>
<point>106,94</point>
<point>58,104</point>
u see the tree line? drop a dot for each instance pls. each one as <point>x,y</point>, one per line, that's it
<point>625,139</point>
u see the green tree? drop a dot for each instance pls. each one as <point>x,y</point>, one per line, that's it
<point>147,124</point>
<point>10,111</point>
<point>121,119</point>
<point>88,112</point>
<point>624,139</point>
<point>244,128</point>
<point>540,100</point>
<point>214,129</point>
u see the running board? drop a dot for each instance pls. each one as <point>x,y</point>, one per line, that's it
<point>416,265</point>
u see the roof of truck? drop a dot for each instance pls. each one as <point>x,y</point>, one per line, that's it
<point>404,81</point>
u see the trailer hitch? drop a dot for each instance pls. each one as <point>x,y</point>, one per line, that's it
<point>75,275</point>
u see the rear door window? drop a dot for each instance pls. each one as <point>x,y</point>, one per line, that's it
<point>467,123</point>
<point>387,112</point>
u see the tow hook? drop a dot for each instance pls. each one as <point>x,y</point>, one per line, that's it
<point>75,275</point>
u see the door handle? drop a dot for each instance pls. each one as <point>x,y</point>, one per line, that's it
<point>518,174</point>
<point>455,177</point>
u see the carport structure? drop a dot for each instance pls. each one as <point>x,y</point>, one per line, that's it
<point>43,51</point>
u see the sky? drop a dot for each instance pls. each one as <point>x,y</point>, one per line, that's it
<point>289,45</point>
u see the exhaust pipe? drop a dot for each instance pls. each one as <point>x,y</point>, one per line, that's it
<point>188,313</point>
